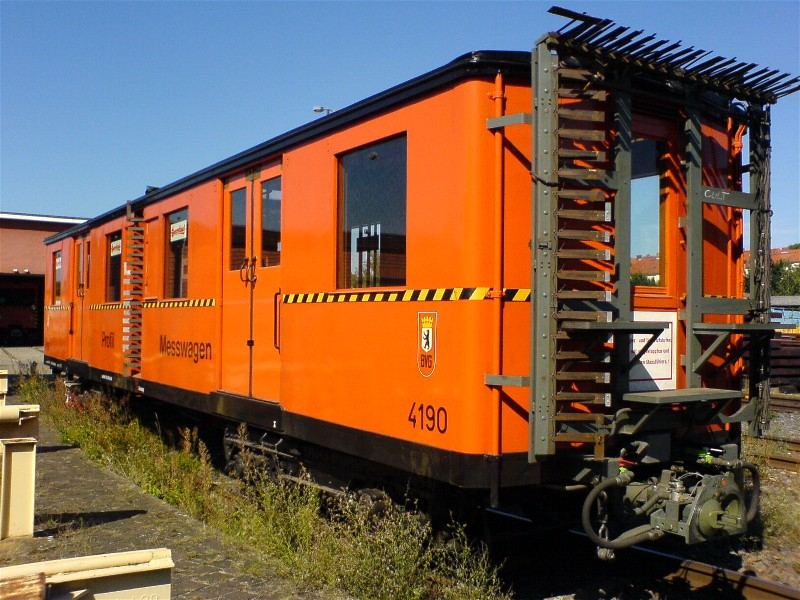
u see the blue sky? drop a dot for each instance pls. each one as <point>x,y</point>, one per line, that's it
<point>99,100</point>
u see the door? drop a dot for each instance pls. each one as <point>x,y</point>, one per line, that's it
<point>251,285</point>
<point>658,258</point>
<point>80,275</point>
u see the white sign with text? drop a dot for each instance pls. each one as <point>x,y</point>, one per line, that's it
<point>656,369</point>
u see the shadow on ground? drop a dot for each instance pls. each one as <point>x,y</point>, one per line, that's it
<point>55,523</point>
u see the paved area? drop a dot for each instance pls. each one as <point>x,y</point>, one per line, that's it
<point>18,361</point>
<point>82,509</point>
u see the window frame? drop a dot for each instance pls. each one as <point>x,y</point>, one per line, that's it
<point>671,199</point>
<point>58,276</point>
<point>344,230</point>
<point>180,272</point>
<point>109,296</point>
<point>231,232</point>
<point>263,260</point>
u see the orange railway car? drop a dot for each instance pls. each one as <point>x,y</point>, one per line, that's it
<point>435,284</point>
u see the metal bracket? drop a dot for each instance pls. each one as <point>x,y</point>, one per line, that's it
<point>506,380</point>
<point>507,120</point>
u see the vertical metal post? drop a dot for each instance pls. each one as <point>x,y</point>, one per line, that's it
<point>623,123</point>
<point>694,242</point>
<point>760,262</point>
<point>760,259</point>
<point>543,285</point>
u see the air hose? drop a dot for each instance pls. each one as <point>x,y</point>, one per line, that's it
<point>629,538</point>
<point>752,510</point>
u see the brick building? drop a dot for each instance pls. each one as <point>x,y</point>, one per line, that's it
<point>22,267</point>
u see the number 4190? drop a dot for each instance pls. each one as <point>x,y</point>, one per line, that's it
<point>426,416</point>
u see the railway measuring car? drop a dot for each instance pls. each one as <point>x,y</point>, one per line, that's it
<point>434,285</point>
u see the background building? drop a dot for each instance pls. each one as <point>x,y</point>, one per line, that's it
<point>22,267</point>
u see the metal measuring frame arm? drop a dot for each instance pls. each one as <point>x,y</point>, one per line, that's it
<point>19,430</point>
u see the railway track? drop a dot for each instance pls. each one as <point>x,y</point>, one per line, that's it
<point>637,572</point>
<point>781,402</point>
<point>782,453</point>
<point>702,580</point>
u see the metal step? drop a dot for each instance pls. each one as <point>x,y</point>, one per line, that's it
<point>591,195</point>
<point>684,396</point>
<point>576,437</point>
<point>587,397</point>
<point>580,355</point>
<point>586,135</point>
<point>584,235</point>
<point>603,276</point>
<point>576,416</point>
<point>601,216</point>
<point>602,295</point>
<point>578,92</point>
<point>576,74</point>
<point>584,253</point>
<point>576,153</point>
<point>602,316</point>
<point>583,174</point>
<point>593,376</point>
<point>596,116</point>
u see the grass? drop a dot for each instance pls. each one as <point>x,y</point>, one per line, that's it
<point>389,554</point>
<point>780,504</point>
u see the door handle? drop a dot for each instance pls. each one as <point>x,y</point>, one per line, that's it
<point>276,320</point>
<point>243,276</point>
<point>252,271</point>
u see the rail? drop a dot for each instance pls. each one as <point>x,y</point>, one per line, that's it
<point>701,577</point>
<point>781,452</point>
<point>784,402</point>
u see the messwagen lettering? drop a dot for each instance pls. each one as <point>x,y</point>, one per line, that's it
<point>196,351</point>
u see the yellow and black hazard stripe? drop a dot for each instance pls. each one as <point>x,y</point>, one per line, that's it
<point>517,294</point>
<point>417,295</point>
<point>106,306</point>
<point>194,303</point>
<point>57,307</point>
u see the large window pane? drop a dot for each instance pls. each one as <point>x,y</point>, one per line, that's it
<point>238,249</point>
<point>88,263</point>
<point>271,222</point>
<point>372,208</point>
<point>114,269</point>
<point>57,277</point>
<point>646,238</point>
<point>177,267</point>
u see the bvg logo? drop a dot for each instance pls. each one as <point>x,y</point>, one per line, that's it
<point>426,342</point>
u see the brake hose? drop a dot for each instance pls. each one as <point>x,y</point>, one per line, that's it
<point>643,533</point>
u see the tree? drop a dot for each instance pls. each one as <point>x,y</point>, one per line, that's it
<point>641,279</point>
<point>785,279</point>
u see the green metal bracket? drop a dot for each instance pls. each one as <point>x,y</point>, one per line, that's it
<point>543,282</point>
<point>507,120</point>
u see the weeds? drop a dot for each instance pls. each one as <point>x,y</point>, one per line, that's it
<point>387,554</point>
<point>780,509</point>
<point>780,514</point>
<point>32,389</point>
